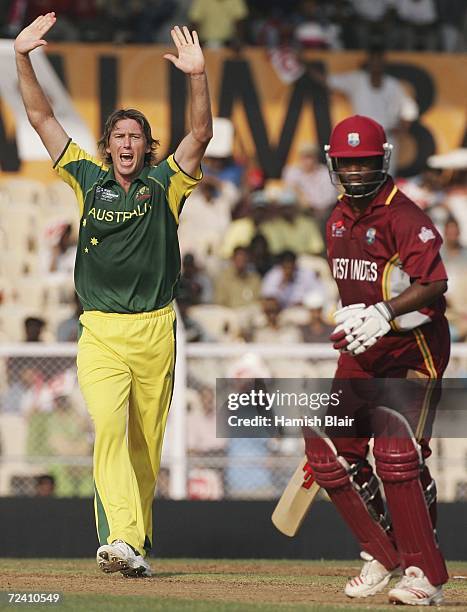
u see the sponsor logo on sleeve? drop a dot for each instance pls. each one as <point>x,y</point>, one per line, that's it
<point>426,234</point>
<point>337,229</point>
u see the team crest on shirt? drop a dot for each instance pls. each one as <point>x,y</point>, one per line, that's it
<point>370,236</point>
<point>337,229</point>
<point>353,139</point>
<point>143,194</point>
<point>426,234</point>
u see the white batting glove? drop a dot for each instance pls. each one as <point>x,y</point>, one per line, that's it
<point>375,324</point>
<point>346,319</point>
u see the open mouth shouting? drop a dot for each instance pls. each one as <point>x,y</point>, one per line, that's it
<point>126,159</point>
<point>127,147</point>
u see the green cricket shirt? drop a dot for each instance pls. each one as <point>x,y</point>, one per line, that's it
<point>128,258</point>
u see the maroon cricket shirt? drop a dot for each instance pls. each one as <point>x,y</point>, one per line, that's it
<point>378,254</point>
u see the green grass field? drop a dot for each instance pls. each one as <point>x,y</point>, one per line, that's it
<point>201,586</point>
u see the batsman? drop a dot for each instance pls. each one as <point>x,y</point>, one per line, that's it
<point>126,273</point>
<point>384,255</point>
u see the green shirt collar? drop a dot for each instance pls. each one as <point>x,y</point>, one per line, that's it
<point>142,177</point>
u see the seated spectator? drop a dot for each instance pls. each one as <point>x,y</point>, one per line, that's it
<point>33,329</point>
<point>207,216</point>
<point>238,285</point>
<point>194,331</point>
<point>242,231</point>
<point>369,23</point>
<point>268,328</point>
<point>88,16</point>
<point>260,256</point>
<point>288,283</point>
<point>218,23</point>
<point>426,189</point>
<point>317,329</point>
<point>67,330</point>
<point>291,230</point>
<point>452,251</point>
<point>224,168</point>
<point>194,284</point>
<point>418,25</point>
<point>268,21</point>
<point>67,433</point>
<point>310,181</point>
<point>453,17</point>
<point>314,30</point>
<point>121,17</point>
<point>60,258</point>
<point>456,196</point>
<point>23,380</point>
<point>219,160</point>
<point>247,473</point>
<point>161,34</point>
<point>455,260</point>
<point>152,17</point>
<point>201,424</point>
<point>45,485</point>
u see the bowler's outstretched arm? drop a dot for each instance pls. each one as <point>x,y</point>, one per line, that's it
<point>38,108</point>
<point>190,60</point>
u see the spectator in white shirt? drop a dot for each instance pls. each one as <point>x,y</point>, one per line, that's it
<point>374,94</point>
<point>310,181</point>
<point>206,217</point>
<point>288,283</point>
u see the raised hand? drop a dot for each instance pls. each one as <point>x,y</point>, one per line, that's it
<point>32,36</point>
<point>190,58</point>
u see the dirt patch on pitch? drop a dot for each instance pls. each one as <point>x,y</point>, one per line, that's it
<point>242,582</point>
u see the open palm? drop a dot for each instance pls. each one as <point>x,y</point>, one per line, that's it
<point>32,36</point>
<point>190,58</point>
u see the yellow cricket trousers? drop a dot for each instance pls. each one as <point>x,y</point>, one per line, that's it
<point>125,371</point>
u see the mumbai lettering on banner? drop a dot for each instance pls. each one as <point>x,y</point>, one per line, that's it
<point>273,117</point>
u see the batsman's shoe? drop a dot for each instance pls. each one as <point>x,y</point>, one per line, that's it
<point>120,557</point>
<point>372,579</point>
<point>416,590</point>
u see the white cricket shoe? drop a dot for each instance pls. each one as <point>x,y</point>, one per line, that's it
<point>416,590</point>
<point>372,579</point>
<point>119,557</point>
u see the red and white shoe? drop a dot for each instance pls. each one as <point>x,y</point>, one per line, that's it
<point>416,590</point>
<point>373,578</point>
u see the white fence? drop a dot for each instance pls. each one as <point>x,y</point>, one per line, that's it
<point>44,427</point>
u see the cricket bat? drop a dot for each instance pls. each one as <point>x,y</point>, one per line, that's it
<point>295,501</point>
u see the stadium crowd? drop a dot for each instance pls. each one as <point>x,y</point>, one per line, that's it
<point>431,25</point>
